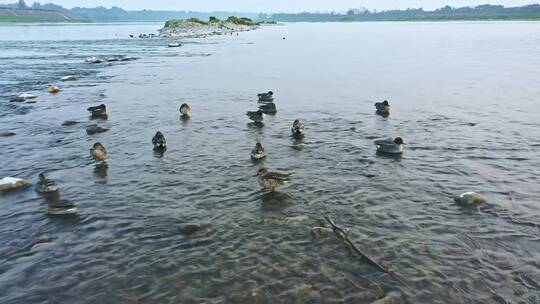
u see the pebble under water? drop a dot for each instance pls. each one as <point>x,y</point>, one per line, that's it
<point>464,96</point>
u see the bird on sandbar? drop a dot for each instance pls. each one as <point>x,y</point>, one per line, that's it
<point>185,110</point>
<point>266,96</point>
<point>45,185</point>
<point>298,128</point>
<point>98,152</point>
<point>258,152</point>
<point>98,111</point>
<point>256,116</point>
<point>383,108</point>
<point>159,141</point>
<point>390,146</point>
<point>272,180</point>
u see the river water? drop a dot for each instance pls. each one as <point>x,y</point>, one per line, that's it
<point>464,96</point>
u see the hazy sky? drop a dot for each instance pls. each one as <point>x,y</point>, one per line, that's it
<point>276,5</point>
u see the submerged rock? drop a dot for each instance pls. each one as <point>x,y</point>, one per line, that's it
<point>321,232</point>
<point>190,228</point>
<point>6,133</point>
<point>12,183</point>
<point>16,99</point>
<point>301,219</point>
<point>390,298</point>
<point>26,96</point>
<point>70,78</point>
<point>70,123</point>
<point>94,129</point>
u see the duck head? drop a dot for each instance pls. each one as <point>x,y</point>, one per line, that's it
<point>386,103</point>
<point>259,147</point>
<point>41,178</point>
<point>399,141</point>
<point>98,146</point>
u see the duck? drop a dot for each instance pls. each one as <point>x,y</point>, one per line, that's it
<point>272,180</point>
<point>256,116</point>
<point>159,141</point>
<point>185,110</point>
<point>98,152</point>
<point>266,96</point>
<point>70,78</point>
<point>94,129</point>
<point>382,107</point>
<point>258,152</point>
<point>469,199</point>
<point>45,185</point>
<point>53,89</point>
<point>298,128</point>
<point>62,207</point>
<point>268,108</point>
<point>390,146</point>
<point>98,111</point>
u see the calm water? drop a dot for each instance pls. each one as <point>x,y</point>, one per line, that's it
<point>464,96</point>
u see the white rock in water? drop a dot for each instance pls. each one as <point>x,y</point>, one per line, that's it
<point>70,78</point>
<point>12,183</point>
<point>27,96</point>
<point>469,199</point>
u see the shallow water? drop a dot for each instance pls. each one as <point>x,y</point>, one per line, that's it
<point>464,97</point>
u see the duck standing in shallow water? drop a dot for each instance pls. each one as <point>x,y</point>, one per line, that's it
<point>258,152</point>
<point>256,116</point>
<point>266,96</point>
<point>268,108</point>
<point>185,110</point>
<point>159,141</point>
<point>98,111</point>
<point>298,128</point>
<point>390,146</point>
<point>98,152</point>
<point>383,108</point>
<point>271,180</point>
<point>45,185</point>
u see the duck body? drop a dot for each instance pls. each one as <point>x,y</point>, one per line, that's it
<point>98,111</point>
<point>159,141</point>
<point>258,152</point>
<point>256,116</point>
<point>272,180</point>
<point>268,108</point>
<point>62,207</point>
<point>469,199</point>
<point>390,146</point>
<point>185,110</point>
<point>94,129</point>
<point>45,185</point>
<point>53,89</point>
<point>298,128</point>
<point>382,107</point>
<point>98,152</point>
<point>269,96</point>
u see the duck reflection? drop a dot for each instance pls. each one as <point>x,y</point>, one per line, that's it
<point>275,200</point>
<point>101,169</point>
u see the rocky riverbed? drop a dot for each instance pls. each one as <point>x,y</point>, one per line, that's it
<point>197,28</point>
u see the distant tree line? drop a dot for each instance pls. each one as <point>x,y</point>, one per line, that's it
<point>482,12</point>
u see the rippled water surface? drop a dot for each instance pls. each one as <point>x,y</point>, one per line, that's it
<point>464,96</point>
